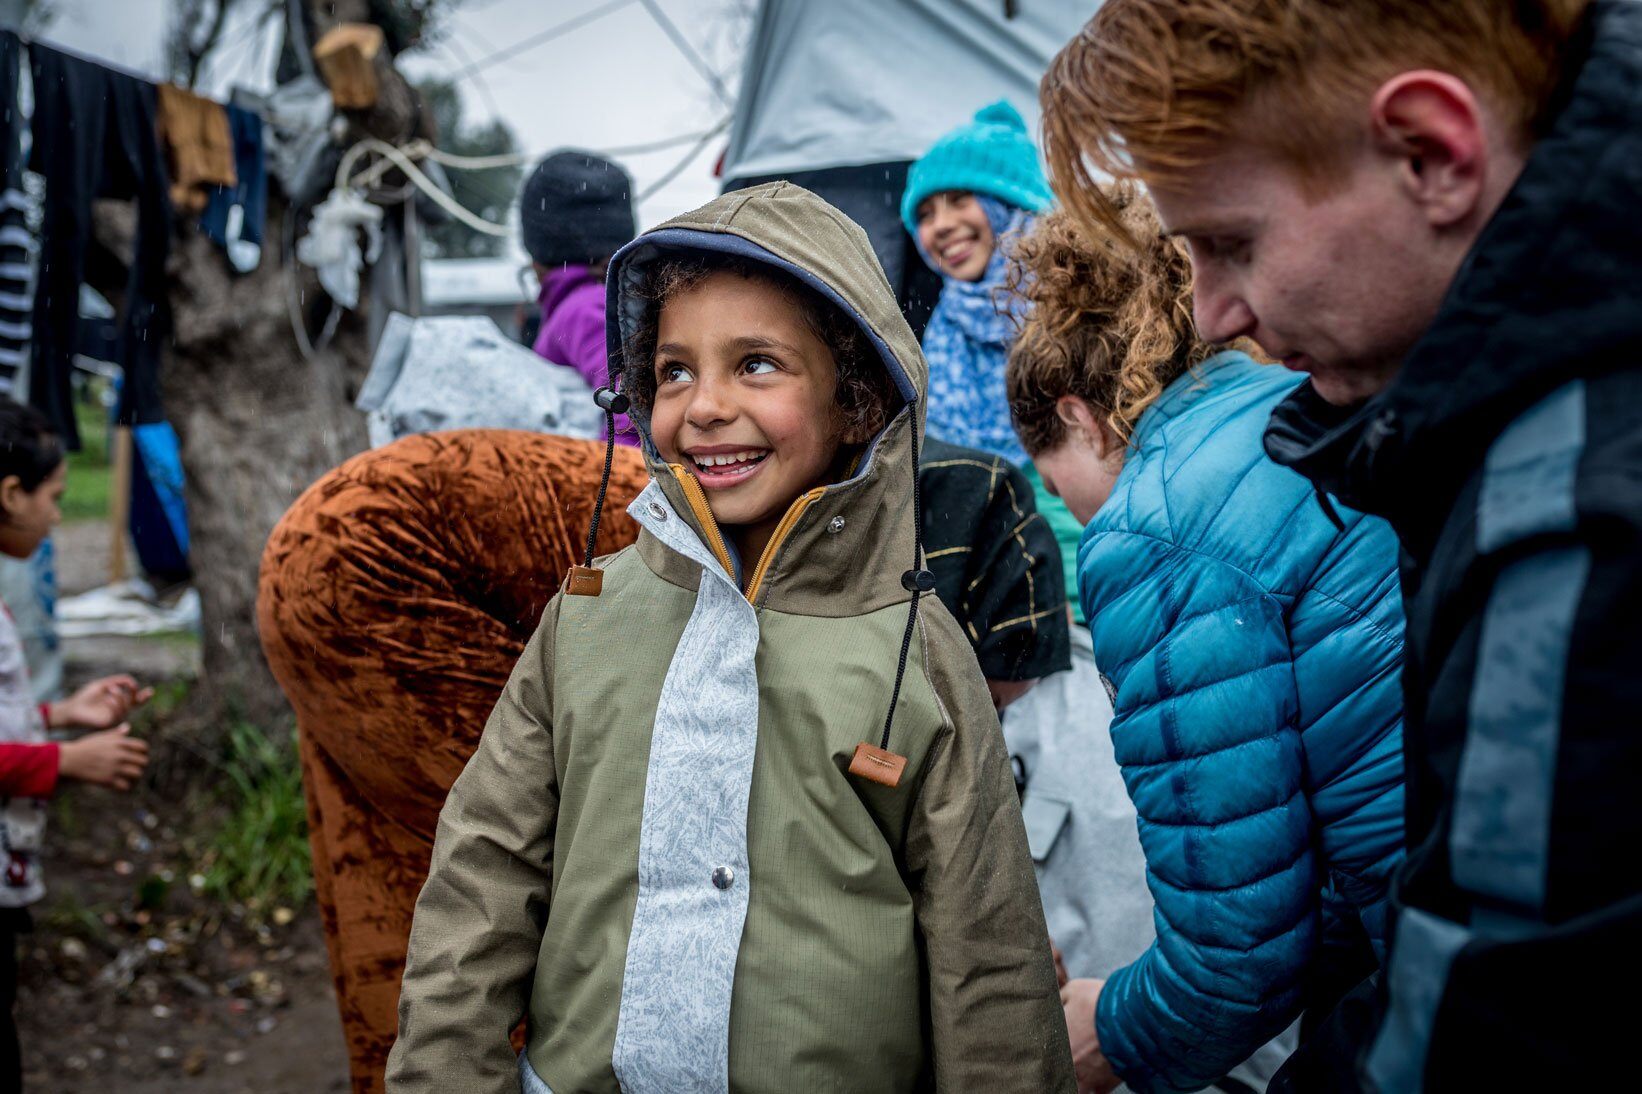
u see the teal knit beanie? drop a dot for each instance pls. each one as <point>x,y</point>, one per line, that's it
<point>993,155</point>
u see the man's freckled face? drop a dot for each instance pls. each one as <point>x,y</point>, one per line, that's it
<point>1338,283</point>
<point>745,397</point>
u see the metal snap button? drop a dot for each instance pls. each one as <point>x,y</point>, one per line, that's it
<point>658,510</point>
<point>723,877</point>
<point>835,525</point>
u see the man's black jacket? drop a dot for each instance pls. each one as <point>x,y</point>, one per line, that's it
<point>1507,454</point>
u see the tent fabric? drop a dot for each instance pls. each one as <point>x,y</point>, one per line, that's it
<point>854,82</point>
<point>395,597</point>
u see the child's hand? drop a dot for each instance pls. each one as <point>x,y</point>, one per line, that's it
<point>101,704</point>
<point>111,758</point>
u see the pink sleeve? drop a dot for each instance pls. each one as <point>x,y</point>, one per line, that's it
<point>580,335</point>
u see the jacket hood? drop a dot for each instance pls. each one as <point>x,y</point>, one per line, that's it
<point>1549,293</point>
<point>843,547</point>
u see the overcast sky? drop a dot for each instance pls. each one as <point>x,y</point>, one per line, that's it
<point>616,80</point>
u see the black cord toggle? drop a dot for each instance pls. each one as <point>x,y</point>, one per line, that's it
<point>584,580</point>
<point>918,581</point>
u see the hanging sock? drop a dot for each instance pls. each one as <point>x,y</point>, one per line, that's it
<point>234,216</point>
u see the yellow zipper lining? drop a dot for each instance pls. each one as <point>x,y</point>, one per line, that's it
<point>697,498</point>
<point>782,530</point>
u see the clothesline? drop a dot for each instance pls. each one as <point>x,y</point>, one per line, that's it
<point>404,162</point>
<point>404,156</point>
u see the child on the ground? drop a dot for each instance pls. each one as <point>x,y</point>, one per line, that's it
<point>743,817</point>
<point>32,476</point>
<point>976,189</point>
<point>575,211</point>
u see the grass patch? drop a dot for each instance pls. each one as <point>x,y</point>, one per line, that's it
<point>90,478</point>
<point>169,696</point>
<point>260,857</point>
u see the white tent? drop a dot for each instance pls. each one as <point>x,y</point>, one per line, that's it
<point>850,82</point>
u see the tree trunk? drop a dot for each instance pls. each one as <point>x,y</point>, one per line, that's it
<point>258,423</point>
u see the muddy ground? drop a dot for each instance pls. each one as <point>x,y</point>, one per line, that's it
<point>133,982</point>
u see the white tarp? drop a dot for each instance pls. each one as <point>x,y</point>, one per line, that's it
<point>128,608</point>
<point>462,372</point>
<point>849,82</point>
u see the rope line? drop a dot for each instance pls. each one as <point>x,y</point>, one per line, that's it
<point>538,38</point>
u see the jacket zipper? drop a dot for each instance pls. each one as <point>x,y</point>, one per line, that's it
<point>697,498</point>
<point>782,530</point>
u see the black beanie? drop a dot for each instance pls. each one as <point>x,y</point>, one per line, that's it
<point>576,208</point>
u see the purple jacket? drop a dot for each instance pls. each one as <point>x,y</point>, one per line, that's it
<point>572,332</point>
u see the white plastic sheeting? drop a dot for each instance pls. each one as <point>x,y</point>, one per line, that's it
<point>462,372</point>
<point>331,245</point>
<point>850,82</point>
<point>128,608</point>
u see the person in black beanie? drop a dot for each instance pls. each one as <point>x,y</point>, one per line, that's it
<point>576,210</point>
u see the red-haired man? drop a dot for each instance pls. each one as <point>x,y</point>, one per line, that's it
<point>1431,208</point>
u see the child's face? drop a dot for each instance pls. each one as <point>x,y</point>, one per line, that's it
<point>955,234</point>
<point>30,515</point>
<point>744,398</point>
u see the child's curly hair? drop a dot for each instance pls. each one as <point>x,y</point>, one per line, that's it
<point>1109,324</point>
<point>866,398</point>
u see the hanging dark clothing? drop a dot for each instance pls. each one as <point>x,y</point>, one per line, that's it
<point>104,145</point>
<point>250,192</point>
<point>18,247</point>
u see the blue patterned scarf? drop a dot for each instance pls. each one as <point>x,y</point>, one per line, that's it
<point>967,345</point>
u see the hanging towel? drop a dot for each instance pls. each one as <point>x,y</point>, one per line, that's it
<point>104,145</point>
<point>199,148</point>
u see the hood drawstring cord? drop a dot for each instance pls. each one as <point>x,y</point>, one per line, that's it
<point>879,764</point>
<point>584,580</point>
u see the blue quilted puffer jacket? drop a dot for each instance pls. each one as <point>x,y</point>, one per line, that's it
<point>1255,648</point>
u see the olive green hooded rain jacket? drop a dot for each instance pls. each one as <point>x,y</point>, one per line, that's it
<point>657,853</point>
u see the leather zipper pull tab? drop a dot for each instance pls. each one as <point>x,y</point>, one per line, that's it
<point>877,765</point>
<point>584,581</point>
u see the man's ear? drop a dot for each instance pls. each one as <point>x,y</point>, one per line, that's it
<point>1433,123</point>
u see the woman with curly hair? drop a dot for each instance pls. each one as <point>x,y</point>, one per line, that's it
<point>1252,636</point>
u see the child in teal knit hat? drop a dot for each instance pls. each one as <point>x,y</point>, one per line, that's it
<point>978,185</point>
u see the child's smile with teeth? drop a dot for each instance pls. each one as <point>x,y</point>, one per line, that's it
<point>737,464</point>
